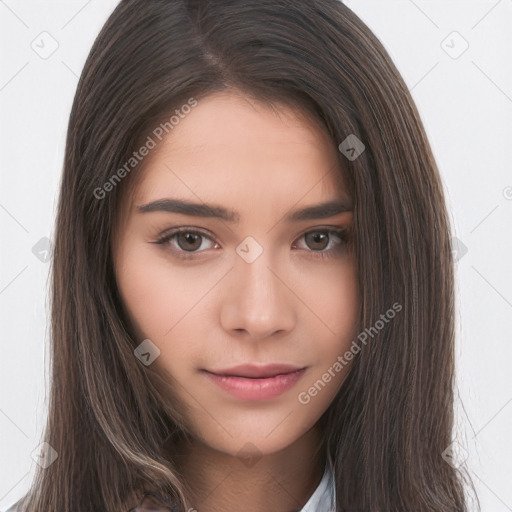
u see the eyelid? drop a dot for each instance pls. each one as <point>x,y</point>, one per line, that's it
<point>167,235</point>
<point>343,233</point>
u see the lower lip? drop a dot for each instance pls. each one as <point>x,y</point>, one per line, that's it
<point>256,389</point>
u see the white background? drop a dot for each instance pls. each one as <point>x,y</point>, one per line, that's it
<point>466,106</point>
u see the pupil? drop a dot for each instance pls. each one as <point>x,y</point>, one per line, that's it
<point>317,238</point>
<point>189,238</point>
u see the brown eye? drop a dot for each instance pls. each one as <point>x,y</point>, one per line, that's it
<point>323,243</point>
<point>317,240</point>
<point>188,241</point>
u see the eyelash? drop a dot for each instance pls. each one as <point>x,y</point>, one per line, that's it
<point>342,234</point>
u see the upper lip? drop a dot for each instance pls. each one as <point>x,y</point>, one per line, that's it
<point>257,371</point>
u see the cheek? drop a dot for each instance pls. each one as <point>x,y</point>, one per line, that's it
<point>332,296</point>
<point>333,328</point>
<point>166,304</point>
<point>148,296</point>
<point>156,294</point>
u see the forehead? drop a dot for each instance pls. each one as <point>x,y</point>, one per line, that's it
<point>232,150</point>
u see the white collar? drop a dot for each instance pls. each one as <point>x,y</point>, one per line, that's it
<point>324,497</point>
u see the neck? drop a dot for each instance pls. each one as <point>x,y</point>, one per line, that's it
<point>277,482</point>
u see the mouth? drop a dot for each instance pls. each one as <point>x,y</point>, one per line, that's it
<point>250,382</point>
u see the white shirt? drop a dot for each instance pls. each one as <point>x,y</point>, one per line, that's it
<point>324,497</point>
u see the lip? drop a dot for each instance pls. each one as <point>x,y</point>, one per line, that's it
<point>251,382</point>
<point>255,371</point>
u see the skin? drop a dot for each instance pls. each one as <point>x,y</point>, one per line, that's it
<point>216,310</point>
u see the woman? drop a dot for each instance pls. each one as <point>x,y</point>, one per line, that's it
<point>252,276</point>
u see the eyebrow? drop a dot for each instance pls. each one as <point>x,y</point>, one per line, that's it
<point>317,211</point>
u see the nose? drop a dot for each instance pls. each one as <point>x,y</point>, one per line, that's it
<point>257,301</point>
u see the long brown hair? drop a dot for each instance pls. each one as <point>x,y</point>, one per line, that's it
<point>389,425</point>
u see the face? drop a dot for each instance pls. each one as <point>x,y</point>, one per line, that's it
<point>249,306</point>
